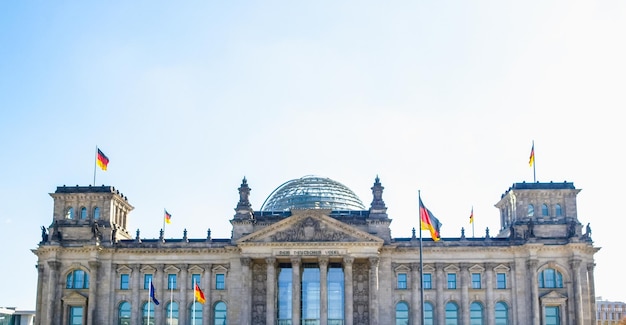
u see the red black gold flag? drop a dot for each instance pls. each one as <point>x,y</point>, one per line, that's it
<point>102,160</point>
<point>429,222</point>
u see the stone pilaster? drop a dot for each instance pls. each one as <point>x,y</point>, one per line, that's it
<point>246,275</point>
<point>38,303</point>
<point>183,287</point>
<point>349,289</point>
<point>94,266</point>
<point>323,262</point>
<point>490,306</point>
<point>53,299</point>
<point>592,291</point>
<point>270,315</point>
<point>159,279</point>
<point>534,291</point>
<point>465,285</point>
<point>578,306</point>
<point>416,287</point>
<point>440,282</point>
<point>208,294</point>
<point>136,280</point>
<point>373,292</point>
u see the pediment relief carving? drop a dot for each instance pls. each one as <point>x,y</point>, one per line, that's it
<point>476,268</point>
<point>502,268</point>
<point>219,269</point>
<point>310,226</point>
<point>75,298</point>
<point>451,268</point>
<point>429,269</point>
<point>195,269</point>
<point>402,268</point>
<point>553,298</point>
<point>148,269</point>
<point>171,269</point>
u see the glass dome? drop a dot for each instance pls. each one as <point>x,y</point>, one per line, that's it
<point>312,192</point>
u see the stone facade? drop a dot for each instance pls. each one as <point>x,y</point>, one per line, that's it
<point>537,270</point>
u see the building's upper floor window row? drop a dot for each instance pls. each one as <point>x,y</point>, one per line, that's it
<point>545,210</point>
<point>71,214</point>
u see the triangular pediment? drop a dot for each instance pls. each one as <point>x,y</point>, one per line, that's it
<point>309,226</point>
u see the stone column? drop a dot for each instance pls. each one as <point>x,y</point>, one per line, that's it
<point>490,306</point>
<point>270,310</point>
<point>183,287</point>
<point>53,300</point>
<point>207,315</point>
<point>578,307</point>
<point>296,287</point>
<point>534,291</point>
<point>373,290</point>
<point>416,291</point>
<point>592,291</point>
<point>158,280</point>
<point>38,303</point>
<point>93,292</point>
<point>135,306</point>
<point>246,279</point>
<point>440,311</point>
<point>348,290</point>
<point>323,261</point>
<point>465,285</point>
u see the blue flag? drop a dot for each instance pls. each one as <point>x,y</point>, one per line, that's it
<point>156,302</point>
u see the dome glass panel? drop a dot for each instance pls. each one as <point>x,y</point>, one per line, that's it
<point>312,192</point>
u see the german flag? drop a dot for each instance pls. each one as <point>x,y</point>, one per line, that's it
<point>168,217</point>
<point>102,160</point>
<point>199,294</point>
<point>531,160</point>
<point>429,222</point>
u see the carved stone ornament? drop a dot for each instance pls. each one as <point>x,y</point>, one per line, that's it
<point>310,229</point>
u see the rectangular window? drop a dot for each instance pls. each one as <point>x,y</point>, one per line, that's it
<point>195,279</point>
<point>125,281</point>
<point>219,282</point>
<point>475,280</point>
<point>451,280</point>
<point>552,316</point>
<point>501,281</point>
<point>76,315</point>
<point>147,278</point>
<point>427,281</point>
<point>171,281</point>
<point>402,281</point>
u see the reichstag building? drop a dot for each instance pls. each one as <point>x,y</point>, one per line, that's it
<point>314,254</point>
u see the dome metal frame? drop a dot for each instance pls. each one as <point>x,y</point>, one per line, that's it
<point>312,192</point>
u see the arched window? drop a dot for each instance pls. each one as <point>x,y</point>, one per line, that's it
<point>69,213</point>
<point>83,213</point>
<point>502,313</point>
<point>550,278</point>
<point>558,210</point>
<point>429,315</point>
<point>531,210</point>
<point>196,313</point>
<point>123,313</point>
<point>147,313</point>
<point>77,279</point>
<point>172,313</point>
<point>96,213</point>
<point>402,313</point>
<point>452,314</point>
<point>219,313</point>
<point>476,314</point>
<point>544,210</point>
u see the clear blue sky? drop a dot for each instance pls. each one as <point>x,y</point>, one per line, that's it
<point>187,98</point>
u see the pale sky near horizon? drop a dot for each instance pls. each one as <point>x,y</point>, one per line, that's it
<point>187,98</point>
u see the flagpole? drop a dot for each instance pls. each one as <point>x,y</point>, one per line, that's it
<point>171,299</point>
<point>534,164</point>
<point>95,162</point>
<point>472,222</point>
<point>193,306</point>
<point>164,222</point>
<point>421,264</point>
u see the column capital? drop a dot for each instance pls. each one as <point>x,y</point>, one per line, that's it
<point>94,264</point>
<point>348,260</point>
<point>374,261</point>
<point>54,265</point>
<point>489,266</point>
<point>245,261</point>
<point>415,266</point>
<point>575,263</point>
<point>532,265</point>
<point>323,261</point>
<point>464,266</point>
<point>270,261</point>
<point>591,266</point>
<point>295,261</point>
<point>183,266</point>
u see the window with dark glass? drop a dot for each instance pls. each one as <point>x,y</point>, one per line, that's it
<point>171,281</point>
<point>220,283</point>
<point>501,281</point>
<point>552,316</point>
<point>147,279</point>
<point>427,281</point>
<point>310,294</point>
<point>429,314</point>
<point>544,210</point>
<point>335,286</point>
<point>83,213</point>
<point>550,278</point>
<point>502,313</point>
<point>96,213</point>
<point>77,279</point>
<point>402,313</point>
<point>124,281</point>
<point>76,315</point>
<point>195,279</point>
<point>476,314</point>
<point>476,281</point>
<point>452,314</point>
<point>558,210</point>
<point>219,313</point>
<point>402,281</point>
<point>123,314</point>
<point>451,280</point>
